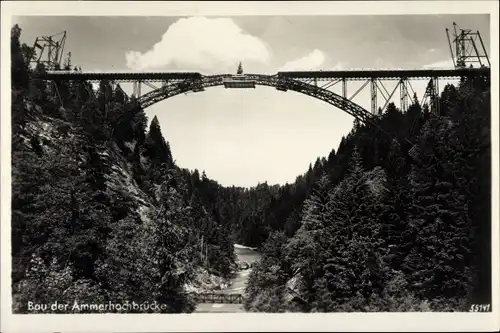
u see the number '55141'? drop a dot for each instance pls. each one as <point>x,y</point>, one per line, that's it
<point>479,308</point>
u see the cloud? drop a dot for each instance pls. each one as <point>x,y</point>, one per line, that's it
<point>311,61</point>
<point>445,64</point>
<point>338,66</point>
<point>199,43</point>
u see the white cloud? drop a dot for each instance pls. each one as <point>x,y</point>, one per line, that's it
<point>338,66</point>
<point>311,61</point>
<point>199,43</point>
<point>445,64</point>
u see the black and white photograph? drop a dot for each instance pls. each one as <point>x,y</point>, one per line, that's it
<point>287,164</point>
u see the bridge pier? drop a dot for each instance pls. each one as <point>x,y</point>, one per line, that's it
<point>54,91</point>
<point>136,92</point>
<point>403,89</point>
<point>373,89</point>
<point>432,94</point>
<point>436,96</point>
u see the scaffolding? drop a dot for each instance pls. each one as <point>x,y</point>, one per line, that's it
<point>48,50</point>
<point>467,48</point>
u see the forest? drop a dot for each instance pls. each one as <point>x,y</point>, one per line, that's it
<point>397,218</point>
<point>100,211</point>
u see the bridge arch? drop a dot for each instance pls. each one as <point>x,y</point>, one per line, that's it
<point>280,83</point>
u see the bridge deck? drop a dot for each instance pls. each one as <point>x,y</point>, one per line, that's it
<point>319,75</point>
<point>386,74</point>
<point>119,76</point>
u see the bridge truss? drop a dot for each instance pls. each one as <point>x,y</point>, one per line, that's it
<point>376,81</point>
<point>317,84</point>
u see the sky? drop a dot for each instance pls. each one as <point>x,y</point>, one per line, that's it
<point>246,137</point>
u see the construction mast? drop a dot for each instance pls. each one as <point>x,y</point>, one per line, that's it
<point>48,50</point>
<point>467,48</point>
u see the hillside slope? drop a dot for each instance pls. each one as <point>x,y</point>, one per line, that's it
<point>100,212</point>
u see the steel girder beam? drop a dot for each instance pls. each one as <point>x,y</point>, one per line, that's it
<point>327,96</point>
<point>395,74</point>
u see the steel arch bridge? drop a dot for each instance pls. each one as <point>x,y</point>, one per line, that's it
<point>307,83</point>
<point>276,81</point>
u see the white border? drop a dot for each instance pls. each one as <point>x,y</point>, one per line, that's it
<point>246,321</point>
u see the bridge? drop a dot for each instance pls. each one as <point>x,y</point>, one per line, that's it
<point>312,83</point>
<point>469,51</point>
<point>218,298</point>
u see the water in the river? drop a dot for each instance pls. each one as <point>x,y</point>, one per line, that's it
<point>249,256</point>
<point>238,284</point>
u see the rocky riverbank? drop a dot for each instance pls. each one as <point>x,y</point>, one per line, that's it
<point>207,282</point>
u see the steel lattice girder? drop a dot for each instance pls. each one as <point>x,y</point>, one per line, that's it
<point>395,74</point>
<point>120,76</point>
<point>330,97</point>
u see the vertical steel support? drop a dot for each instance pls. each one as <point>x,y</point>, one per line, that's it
<point>484,49</point>
<point>50,88</point>
<point>373,90</point>
<point>344,90</point>
<point>50,47</point>
<point>436,95</point>
<point>451,48</point>
<point>54,92</point>
<point>403,94</point>
<point>429,91</point>
<point>315,82</point>
<point>137,89</point>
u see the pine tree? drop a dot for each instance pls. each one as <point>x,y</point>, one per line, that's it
<point>306,249</point>
<point>19,62</point>
<point>156,146</point>
<point>174,267</point>
<point>352,247</point>
<point>439,219</point>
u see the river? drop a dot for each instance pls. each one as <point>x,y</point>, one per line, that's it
<point>238,283</point>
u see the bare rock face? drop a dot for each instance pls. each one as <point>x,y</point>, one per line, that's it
<point>243,265</point>
<point>293,289</point>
